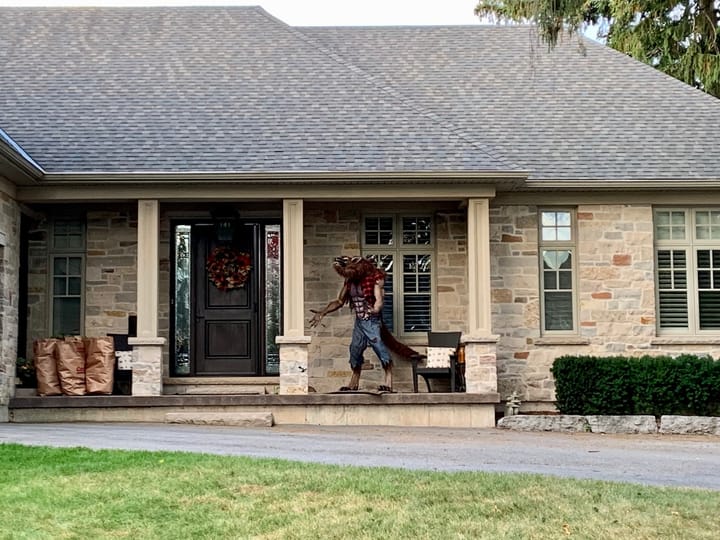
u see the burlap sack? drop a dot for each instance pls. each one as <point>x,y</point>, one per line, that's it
<point>99,365</point>
<point>48,382</point>
<point>70,356</point>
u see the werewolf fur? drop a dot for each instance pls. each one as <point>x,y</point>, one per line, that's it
<point>356,270</point>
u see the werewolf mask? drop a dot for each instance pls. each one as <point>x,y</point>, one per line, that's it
<point>356,269</point>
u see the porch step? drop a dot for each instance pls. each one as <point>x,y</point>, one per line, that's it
<point>245,419</point>
<point>219,386</point>
<point>214,389</point>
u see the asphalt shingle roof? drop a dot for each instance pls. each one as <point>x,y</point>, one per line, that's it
<point>234,89</point>
<point>204,89</point>
<point>560,114</point>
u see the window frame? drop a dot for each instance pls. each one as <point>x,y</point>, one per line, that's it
<point>559,245</point>
<point>55,253</point>
<point>397,249</point>
<point>691,246</point>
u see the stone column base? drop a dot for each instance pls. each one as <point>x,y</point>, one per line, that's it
<point>147,365</point>
<point>7,390</point>
<point>294,364</point>
<point>480,364</point>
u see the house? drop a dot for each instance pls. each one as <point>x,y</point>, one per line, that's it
<point>542,202</point>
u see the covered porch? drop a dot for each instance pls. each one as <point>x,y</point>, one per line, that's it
<point>297,392</point>
<point>401,409</point>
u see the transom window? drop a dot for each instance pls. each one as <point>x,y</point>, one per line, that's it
<point>67,260</point>
<point>557,267</point>
<point>687,252</point>
<point>403,247</point>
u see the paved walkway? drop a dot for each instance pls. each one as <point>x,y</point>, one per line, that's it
<point>667,460</point>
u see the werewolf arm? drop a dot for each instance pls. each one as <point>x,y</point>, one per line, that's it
<point>332,306</point>
<point>379,293</point>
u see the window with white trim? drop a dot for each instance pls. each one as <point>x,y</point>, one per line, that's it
<point>67,261</point>
<point>687,262</point>
<point>403,246</point>
<point>557,270</point>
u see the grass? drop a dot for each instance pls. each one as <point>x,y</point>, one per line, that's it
<point>80,493</point>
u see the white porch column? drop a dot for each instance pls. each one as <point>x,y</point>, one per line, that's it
<point>293,345</point>
<point>480,343</point>
<point>147,346</point>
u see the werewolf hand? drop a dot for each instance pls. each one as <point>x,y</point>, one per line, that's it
<point>316,318</point>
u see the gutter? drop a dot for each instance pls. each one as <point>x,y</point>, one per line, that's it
<point>667,184</point>
<point>14,153</point>
<point>282,177</point>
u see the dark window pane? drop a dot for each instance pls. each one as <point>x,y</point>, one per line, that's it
<point>417,313</point>
<point>704,279</point>
<point>550,280</point>
<point>566,257</point>
<point>665,280</point>
<point>371,237</point>
<point>59,286</point>
<point>703,256</point>
<point>66,316</point>
<point>565,281</point>
<point>75,266</point>
<point>709,310</point>
<point>74,286</point>
<point>558,311</point>
<point>60,266</point>
<point>410,283</point>
<point>416,230</point>
<point>385,238</point>
<point>673,309</point>
<point>423,283</point>
<point>385,223</point>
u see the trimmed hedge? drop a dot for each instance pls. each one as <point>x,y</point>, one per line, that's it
<point>657,385</point>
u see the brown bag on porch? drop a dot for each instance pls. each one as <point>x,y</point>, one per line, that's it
<point>99,365</point>
<point>70,356</point>
<point>46,372</point>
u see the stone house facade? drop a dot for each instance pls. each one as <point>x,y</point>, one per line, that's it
<point>496,209</point>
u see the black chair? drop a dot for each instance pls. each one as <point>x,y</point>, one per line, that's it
<point>122,383</point>
<point>452,372</point>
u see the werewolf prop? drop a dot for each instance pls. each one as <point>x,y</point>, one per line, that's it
<point>363,291</point>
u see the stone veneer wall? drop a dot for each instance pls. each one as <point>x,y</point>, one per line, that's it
<point>9,258</point>
<point>330,233</point>
<point>615,287</point>
<point>110,274</point>
<point>110,271</point>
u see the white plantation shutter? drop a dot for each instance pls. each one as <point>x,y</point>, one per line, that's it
<point>688,270</point>
<point>672,288</point>
<point>403,246</point>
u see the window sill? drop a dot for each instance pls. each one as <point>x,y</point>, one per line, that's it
<point>561,340</point>
<point>686,340</point>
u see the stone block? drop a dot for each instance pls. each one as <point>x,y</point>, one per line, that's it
<point>244,419</point>
<point>562,423</point>
<point>622,424</point>
<point>690,425</point>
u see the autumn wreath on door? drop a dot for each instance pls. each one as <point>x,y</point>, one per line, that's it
<point>228,268</point>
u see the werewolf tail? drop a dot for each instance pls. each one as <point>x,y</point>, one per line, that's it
<point>394,345</point>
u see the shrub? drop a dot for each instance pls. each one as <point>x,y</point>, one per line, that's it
<point>687,384</point>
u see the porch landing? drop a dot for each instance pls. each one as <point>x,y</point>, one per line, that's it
<point>421,410</point>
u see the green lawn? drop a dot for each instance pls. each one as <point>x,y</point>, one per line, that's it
<point>54,493</point>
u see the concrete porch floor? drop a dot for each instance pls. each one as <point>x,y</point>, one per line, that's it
<point>399,409</point>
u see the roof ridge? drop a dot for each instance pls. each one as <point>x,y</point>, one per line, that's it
<point>391,91</point>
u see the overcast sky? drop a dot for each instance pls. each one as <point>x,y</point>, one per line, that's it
<point>316,12</point>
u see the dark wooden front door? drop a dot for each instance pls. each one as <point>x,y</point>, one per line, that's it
<point>226,334</point>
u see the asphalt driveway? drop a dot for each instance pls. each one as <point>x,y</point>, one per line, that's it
<point>666,460</point>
